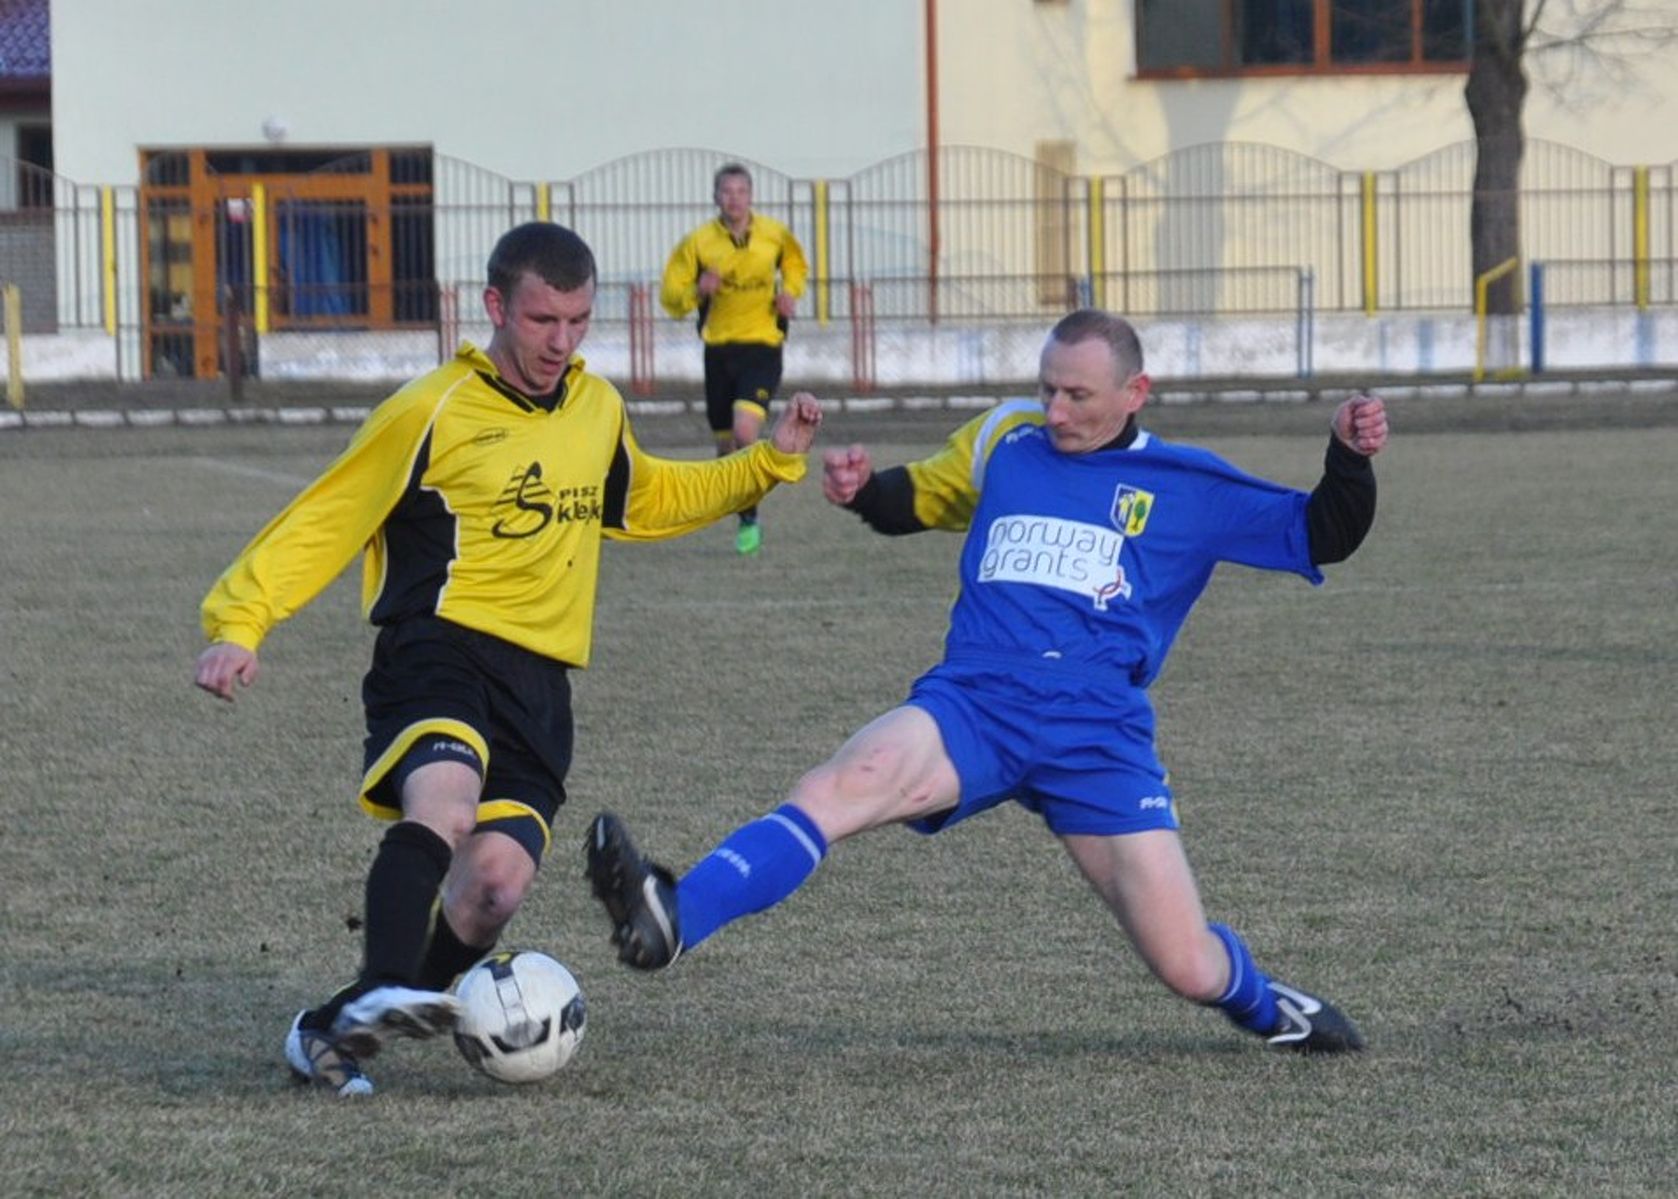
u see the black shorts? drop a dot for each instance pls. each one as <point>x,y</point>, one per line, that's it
<point>739,373</point>
<point>430,678</point>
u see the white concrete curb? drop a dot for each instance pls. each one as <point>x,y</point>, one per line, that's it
<point>354,414</point>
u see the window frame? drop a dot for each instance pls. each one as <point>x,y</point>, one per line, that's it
<point>1321,51</point>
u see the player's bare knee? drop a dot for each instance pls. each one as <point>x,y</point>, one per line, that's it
<point>493,894</point>
<point>860,791</point>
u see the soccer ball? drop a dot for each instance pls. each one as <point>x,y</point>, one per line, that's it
<point>521,1016</point>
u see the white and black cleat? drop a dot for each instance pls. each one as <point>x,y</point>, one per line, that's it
<point>385,1013</point>
<point>315,1058</point>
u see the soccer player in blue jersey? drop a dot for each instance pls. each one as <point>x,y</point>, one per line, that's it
<point>1088,541</point>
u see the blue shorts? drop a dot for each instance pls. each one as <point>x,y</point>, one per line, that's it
<point>1079,751</point>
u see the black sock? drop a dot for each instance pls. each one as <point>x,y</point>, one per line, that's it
<point>402,903</point>
<point>446,956</point>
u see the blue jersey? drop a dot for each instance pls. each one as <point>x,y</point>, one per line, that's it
<point>1095,559</point>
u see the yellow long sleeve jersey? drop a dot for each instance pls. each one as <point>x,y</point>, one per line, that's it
<point>743,308</point>
<point>475,504</point>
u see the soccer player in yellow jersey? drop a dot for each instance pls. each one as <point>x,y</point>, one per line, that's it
<point>743,272</point>
<point>477,496</point>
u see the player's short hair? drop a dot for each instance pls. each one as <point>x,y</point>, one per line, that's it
<point>554,254</point>
<point>727,169</point>
<point>1120,336</point>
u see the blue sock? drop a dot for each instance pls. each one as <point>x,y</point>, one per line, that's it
<point>757,866</point>
<point>1248,1000</point>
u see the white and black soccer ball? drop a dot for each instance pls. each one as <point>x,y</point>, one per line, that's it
<point>521,1016</point>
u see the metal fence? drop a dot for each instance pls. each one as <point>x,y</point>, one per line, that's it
<point>1223,229</point>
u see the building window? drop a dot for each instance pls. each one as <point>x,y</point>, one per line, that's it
<point>348,237</point>
<point>1263,37</point>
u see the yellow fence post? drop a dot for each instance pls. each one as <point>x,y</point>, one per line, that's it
<point>1640,235</point>
<point>823,265</point>
<point>1098,242</point>
<point>544,202</point>
<point>1371,247</point>
<point>108,254</point>
<point>14,345</point>
<point>259,256</point>
<point>1482,292</point>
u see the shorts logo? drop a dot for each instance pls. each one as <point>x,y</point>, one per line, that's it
<point>1160,803</point>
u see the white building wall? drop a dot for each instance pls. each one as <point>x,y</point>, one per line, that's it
<point>547,89</point>
<point>530,89</point>
<point>1014,73</point>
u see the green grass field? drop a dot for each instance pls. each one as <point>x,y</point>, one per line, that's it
<point>1439,789</point>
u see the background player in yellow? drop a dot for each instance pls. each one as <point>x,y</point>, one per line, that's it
<point>743,273</point>
<point>478,495</point>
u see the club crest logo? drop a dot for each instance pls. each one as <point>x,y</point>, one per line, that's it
<point>1131,506</point>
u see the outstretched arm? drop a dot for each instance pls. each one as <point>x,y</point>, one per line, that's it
<point>1341,508</point>
<point>884,499</point>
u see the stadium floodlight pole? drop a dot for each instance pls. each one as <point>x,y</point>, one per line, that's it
<point>934,238</point>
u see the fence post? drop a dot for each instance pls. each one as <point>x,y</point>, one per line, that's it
<point>862,338</point>
<point>1307,323</point>
<point>1371,247</point>
<point>1098,241</point>
<point>823,263</point>
<point>448,322</point>
<point>108,255</point>
<point>1640,236</point>
<point>1535,315</point>
<point>233,343</point>
<point>640,340</point>
<point>14,345</point>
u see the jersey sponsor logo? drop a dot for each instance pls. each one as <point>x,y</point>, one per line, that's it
<point>1047,551</point>
<point>528,505</point>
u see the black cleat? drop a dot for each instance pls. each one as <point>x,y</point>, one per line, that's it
<point>639,896</point>
<point>1311,1025</point>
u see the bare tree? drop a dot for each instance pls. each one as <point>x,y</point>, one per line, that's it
<point>1569,44</point>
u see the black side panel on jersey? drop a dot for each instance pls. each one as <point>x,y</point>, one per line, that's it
<point>419,547</point>
<point>617,486</point>
<point>887,502</point>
